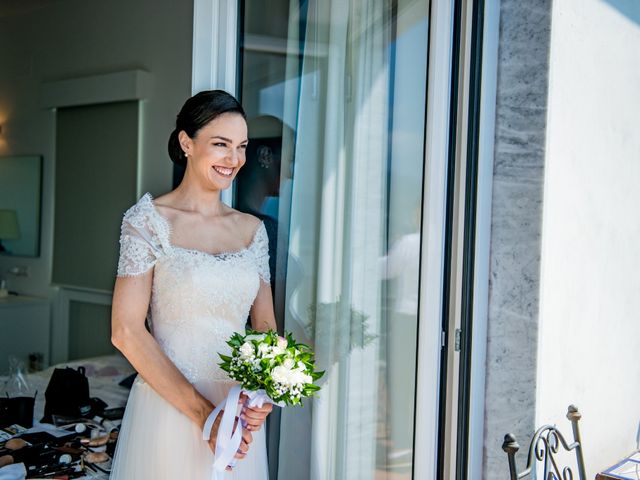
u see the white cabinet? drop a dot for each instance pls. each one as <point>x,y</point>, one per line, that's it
<point>24,329</point>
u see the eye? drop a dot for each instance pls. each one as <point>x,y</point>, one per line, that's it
<point>244,147</point>
<point>220,144</point>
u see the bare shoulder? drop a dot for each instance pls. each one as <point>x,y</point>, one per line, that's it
<point>164,204</point>
<point>245,223</point>
<point>168,201</point>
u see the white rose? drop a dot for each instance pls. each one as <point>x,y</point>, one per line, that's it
<point>263,349</point>
<point>259,337</point>
<point>282,343</point>
<point>294,378</point>
<point>288,363</point>
<point>246,350</point>
<point>303,378</point>
<point>281,375</point>
<point>276,350</point>
<point>301,366</point>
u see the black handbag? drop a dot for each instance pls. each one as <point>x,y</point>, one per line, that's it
<point>16,410</point>
<point>67,394</point>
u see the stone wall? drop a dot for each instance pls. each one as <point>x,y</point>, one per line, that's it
<point>523,62</point>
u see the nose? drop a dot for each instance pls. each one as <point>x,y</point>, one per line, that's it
<point>234,157</point>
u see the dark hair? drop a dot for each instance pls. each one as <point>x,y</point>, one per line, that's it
<point>196,112</point>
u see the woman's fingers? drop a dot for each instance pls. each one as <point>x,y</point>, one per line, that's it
<point>257,413</point>
<point>244,445</point>
<point>254,417</point>
<point>242,450</point>
<point>247,437</point>
<point>264,409</point>
<point>252,423</point>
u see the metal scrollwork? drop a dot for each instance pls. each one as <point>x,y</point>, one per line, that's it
<point>567,473</point>
<point>544,448</point>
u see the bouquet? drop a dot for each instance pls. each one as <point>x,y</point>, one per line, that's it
<point>270,369</point>
<point>267,364</point>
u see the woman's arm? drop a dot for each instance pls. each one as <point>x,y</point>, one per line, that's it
<point>262,315</point>
<point>131,296</point>
<point>262,320</point>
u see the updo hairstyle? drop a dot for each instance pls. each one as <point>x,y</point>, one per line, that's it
<point>196,112</point>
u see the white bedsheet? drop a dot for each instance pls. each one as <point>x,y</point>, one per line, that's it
<point>104,373</point>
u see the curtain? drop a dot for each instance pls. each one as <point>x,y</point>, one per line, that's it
<point>339,111</point>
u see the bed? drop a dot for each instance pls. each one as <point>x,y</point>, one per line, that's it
<point>104,376</point>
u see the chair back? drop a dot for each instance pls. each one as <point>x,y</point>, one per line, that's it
<point>544,448</point>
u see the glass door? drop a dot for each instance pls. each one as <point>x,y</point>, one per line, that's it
<point>335,93</point>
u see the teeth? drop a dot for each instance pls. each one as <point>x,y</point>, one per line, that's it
<point>223,171</point>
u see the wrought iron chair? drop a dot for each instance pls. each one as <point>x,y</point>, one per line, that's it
<point>544,447</point>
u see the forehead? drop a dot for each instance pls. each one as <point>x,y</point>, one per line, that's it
<point>229,125</point>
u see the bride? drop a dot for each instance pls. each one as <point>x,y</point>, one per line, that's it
<point>191,271</point>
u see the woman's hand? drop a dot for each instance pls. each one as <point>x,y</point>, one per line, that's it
<point>254,417</point>
<point>247,438</point>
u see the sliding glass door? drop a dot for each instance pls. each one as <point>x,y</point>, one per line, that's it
<point>335,92</point>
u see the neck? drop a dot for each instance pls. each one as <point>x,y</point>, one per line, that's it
<point>191,195</point>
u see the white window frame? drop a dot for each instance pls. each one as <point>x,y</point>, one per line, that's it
<point>215,48</point>
<point>433,247</point>
<point>432,261</point>
<point>489,82</point>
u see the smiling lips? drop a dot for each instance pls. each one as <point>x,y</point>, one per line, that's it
<point>225,172</point>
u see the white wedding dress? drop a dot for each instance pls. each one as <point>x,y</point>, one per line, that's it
<point>198,300</point>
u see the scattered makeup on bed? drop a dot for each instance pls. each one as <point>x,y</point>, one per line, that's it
<point>70,446</point>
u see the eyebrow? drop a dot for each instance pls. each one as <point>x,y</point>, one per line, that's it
<point>226,139</point>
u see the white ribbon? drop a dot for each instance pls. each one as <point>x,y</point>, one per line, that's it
<point>227,440</point>
<point>257,398</point>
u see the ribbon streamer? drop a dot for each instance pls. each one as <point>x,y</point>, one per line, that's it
<point>227,440</point>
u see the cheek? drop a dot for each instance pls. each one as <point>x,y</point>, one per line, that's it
<point>217,152</point>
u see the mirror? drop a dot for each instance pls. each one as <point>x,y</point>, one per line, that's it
<point>20,193</point>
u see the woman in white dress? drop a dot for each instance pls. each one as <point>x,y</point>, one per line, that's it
<point>191,271</point>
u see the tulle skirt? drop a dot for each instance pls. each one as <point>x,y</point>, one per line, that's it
<point>158,442</point>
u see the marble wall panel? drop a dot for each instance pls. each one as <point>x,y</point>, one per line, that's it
<point>523,66</point>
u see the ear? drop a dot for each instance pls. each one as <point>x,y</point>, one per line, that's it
<point>186,143</point>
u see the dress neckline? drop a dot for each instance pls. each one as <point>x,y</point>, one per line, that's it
<point>169,229</point>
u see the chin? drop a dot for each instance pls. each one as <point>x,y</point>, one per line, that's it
<point>221,183</point>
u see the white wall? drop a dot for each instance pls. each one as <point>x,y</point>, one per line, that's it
<point>45,41</point>
<point>589,337</point>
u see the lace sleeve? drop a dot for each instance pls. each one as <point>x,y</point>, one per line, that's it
<point>138,251</point>
<point>260,246</point>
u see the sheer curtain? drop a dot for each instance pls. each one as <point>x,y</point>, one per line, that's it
<point>339,110</point>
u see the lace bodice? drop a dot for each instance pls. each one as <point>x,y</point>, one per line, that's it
<point>198,299</point>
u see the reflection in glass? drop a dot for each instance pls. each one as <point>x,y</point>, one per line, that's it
<point>336,97</point>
